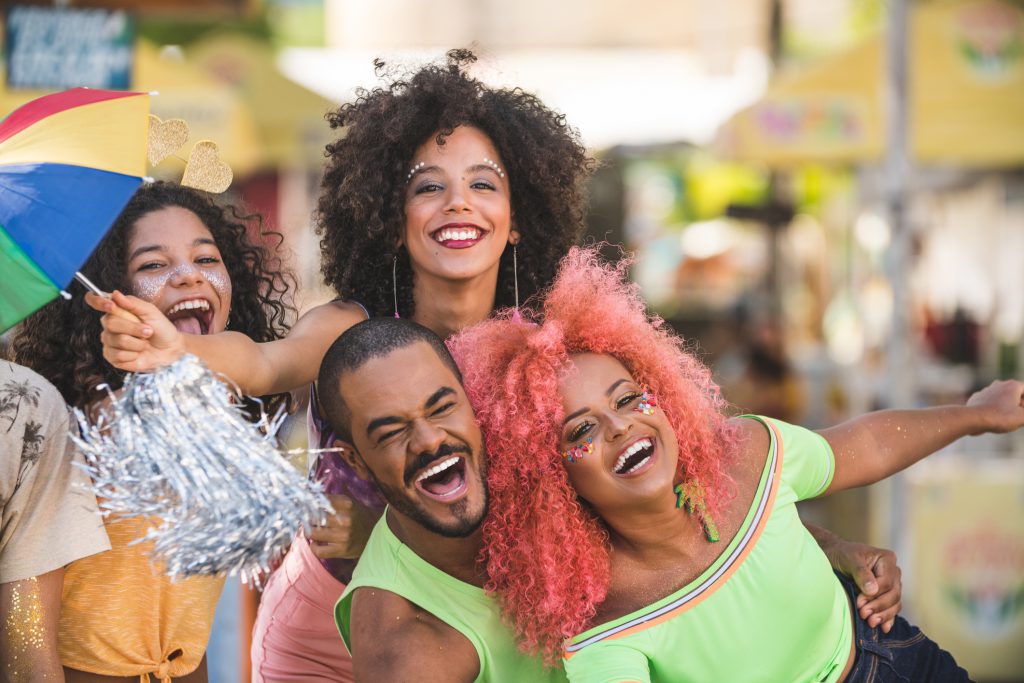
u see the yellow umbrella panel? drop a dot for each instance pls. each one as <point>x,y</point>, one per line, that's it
<point>212,110</point>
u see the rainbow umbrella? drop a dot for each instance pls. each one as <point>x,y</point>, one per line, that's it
<point>69,162</point>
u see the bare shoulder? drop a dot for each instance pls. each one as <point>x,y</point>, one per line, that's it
<point>349,309</point>
<point>394,639</point>
<point>752,449</point>
<point>338,311</point>
<point>329,320</point>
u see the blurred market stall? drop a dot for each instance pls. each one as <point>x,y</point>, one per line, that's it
<point>959,213</point>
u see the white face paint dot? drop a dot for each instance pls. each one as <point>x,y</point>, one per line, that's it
<point>495,166</point>
<point>413,171</point>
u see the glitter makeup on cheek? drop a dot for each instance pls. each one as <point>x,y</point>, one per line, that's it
<point>576,453</point>
<point>648,401</point>
<point>147,287</point>
<point>26,633</point>
<point>219,280</point>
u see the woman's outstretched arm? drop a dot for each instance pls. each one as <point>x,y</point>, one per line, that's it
<point>874,446</point>
<point>257,368</point>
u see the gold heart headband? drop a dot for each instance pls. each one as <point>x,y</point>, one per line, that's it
<point>204,169</point>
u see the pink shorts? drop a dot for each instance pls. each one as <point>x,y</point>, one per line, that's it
<point>295,639</point>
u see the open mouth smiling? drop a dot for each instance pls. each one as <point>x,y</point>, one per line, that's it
<point>458,236</point>
<point>635,458</point>
<point>444,480</point>
<point>191,316</point>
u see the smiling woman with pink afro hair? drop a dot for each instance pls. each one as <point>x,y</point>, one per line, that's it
<point>546,554</point>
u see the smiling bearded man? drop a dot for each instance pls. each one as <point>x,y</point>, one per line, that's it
<point>415,608</point>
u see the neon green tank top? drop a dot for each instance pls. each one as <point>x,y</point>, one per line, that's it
<point>389,564</point>
<point>768,609</point>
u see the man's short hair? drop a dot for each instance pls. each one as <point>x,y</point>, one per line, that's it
<point>363,342</point>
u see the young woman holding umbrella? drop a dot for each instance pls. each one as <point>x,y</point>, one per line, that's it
<point>173,247</point>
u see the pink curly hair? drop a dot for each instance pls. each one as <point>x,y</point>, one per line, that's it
<point>545,552</point>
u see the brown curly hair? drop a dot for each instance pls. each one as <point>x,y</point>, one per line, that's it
<point>361,217</point>
<point>61,341</point>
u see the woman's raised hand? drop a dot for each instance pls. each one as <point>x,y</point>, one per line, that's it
<point>1001,406</point>
<point>149,342</point>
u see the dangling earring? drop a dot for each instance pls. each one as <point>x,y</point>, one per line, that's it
<point>394,282</point>
<point>515,275</point>
<point>516,317</point>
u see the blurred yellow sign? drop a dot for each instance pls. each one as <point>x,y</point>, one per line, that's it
<point>967,562</point>
<point>212,111</point>
<point>966,96</point>
<point>289,118</point>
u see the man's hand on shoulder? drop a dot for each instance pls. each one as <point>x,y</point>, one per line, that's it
<point>395,640</point>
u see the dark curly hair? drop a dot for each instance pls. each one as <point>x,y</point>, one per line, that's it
<point>360,217</point>
<point>61,341</point>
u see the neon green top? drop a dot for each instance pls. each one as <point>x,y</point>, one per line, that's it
<point>768,609</point>
<point>389,564</point>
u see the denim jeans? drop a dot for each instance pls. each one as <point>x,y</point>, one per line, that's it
<point>903,655</point>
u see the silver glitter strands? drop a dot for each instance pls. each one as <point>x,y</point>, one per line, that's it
<point>174,448</point>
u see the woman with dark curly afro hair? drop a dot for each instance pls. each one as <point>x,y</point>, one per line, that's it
<point>434,181</point>
<point>443,200</point>
<point>193,261</point>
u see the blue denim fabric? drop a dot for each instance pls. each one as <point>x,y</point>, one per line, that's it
<point>903,655</point>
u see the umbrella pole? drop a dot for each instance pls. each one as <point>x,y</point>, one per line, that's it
<point>898,387</point>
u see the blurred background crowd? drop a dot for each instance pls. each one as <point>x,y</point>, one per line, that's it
<point>825,196</point>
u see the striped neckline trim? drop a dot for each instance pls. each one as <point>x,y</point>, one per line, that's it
<point>691,597</point>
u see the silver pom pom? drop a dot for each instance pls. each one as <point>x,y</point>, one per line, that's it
<point>174,447</point>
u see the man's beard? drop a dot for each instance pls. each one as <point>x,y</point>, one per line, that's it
<point>465,522</point>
